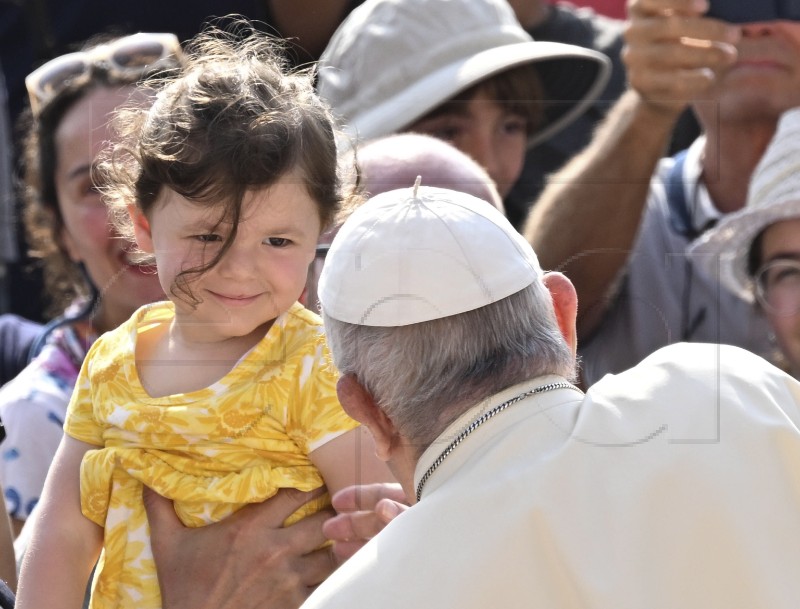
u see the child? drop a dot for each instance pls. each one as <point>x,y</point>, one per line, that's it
<point>224,394</point>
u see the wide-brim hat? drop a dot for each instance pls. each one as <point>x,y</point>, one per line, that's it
<point>392,61</point>
<point>773,195</point>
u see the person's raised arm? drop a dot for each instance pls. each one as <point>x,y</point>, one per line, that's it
<point>247,561</point>
<point>65,544</point>
<point>586,220</point>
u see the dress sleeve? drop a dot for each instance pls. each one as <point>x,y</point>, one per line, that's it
<point>81,422</point>
<point>316,417</point>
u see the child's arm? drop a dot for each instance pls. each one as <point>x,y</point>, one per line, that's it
<point>64,545</point>
<point>350,459</point>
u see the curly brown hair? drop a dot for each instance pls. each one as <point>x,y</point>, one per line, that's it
<point>235,120</point>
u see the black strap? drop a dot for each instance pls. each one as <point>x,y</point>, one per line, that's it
<point>88,308</point>
<point>6,596</point>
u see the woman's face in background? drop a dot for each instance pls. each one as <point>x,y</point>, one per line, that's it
<point>87,234</point>
<point>780,286</point>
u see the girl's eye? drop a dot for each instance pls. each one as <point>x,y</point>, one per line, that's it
<point>278,241</point>
<point>209,238</point>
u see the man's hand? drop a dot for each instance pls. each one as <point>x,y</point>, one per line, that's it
<point>363,511</point>
<point>673,54</point>
<point>246,561</point>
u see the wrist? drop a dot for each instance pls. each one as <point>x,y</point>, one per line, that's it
<point>657,113</point>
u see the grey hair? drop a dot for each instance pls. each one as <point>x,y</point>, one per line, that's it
<point>423,376</point>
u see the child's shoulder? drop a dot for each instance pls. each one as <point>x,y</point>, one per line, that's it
<point>299,332</point>
<point>123,338</point>
<point>298,315</point>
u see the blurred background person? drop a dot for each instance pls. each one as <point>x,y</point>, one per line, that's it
<point>461,70</point>
<point>755,252</point>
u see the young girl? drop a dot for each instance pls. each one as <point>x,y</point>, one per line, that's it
<point>224,394</point>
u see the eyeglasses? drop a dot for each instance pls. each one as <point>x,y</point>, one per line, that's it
<point>129,57</point>
<point>778,286</point>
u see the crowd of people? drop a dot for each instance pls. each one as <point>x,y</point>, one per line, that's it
<point>430,321</point>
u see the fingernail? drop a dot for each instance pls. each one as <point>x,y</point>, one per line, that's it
<point>389,509</point>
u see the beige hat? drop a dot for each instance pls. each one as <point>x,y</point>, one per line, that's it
<point>774,195</point>
<point>413,255</point>
<point>392,61</point>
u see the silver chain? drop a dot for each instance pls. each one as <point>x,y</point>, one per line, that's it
<point>480,421</point>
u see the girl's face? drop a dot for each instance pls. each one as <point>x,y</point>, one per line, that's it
<point>87,234</point>
<point>259,277</point>
<point>780,257</point>
<point>494,137</point>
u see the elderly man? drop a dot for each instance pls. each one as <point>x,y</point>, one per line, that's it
<point>626,247</point>
<point>672,485</point>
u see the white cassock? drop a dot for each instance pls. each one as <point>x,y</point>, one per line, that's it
<point>673,485</point>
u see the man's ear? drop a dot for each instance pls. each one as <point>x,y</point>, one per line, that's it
<point>141,230</point>
<point>565,303</point>
<point>359,404</point>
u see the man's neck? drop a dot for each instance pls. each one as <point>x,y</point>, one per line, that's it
<point>731,154</point>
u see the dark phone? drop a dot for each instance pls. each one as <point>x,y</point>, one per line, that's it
<point>751,11</point>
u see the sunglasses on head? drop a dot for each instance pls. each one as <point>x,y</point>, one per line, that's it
<point>129,57</point>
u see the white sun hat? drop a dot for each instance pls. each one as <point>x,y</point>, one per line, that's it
<point>417,254</point>
<point>390,62</point>
<point>774,195</point>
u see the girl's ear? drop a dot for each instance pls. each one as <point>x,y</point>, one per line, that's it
<point>141,230</point>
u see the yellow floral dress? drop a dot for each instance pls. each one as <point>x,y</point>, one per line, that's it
<point>211,451</point>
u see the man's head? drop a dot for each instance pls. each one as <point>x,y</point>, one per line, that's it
<point>433,302</point>
<point>394,161</point>
<point>393,63</point>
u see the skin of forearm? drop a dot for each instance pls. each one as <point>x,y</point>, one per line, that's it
<point>586,220</point>
<point>45,562</point>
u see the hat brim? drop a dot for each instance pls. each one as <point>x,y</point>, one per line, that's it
<point>572,78</point>
<point>724,251</point>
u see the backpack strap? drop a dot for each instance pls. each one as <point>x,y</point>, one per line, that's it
<point>679,217</point>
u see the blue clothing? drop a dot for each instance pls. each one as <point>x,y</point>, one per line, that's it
<point>33,406</point>
<point>17,334</point>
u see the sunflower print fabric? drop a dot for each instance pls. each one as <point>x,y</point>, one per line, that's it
<point>211,451</point>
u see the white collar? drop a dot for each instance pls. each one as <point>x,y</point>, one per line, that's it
<point>463,427</point>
